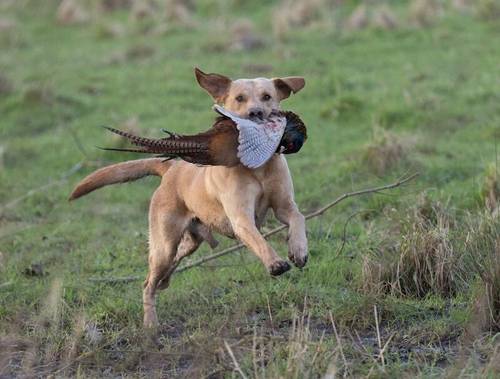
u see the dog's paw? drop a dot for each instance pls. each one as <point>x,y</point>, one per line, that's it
<point>300,261</point>
<point>278,268</point>
<point>298,255</point>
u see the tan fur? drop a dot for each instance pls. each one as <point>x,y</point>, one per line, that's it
<point>193,201</point>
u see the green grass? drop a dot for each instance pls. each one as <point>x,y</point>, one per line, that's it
<point>434,90</point>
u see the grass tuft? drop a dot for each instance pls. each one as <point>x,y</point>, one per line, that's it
<point>483,248</point>
<point>424,13</point>
<point>488,10</point>
<point>71,12</point>
<point>244,37</point>
<point>490,192</point>
<point>114,5</point>
<point>359,19</point>
<point>384,18</point>
<point>142,10</point>
<point>180,12</point>
<point>462,5</point>
<point>292,14</point>
<point>418,258</point>
<point>385,151</point>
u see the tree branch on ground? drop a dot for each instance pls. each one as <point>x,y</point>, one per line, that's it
<point>278,229</point>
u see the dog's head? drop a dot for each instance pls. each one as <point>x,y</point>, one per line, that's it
<point>249,98</point>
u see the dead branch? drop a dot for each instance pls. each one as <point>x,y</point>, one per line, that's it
<point>121,279</point>
<point>278,229</point>
<point>314,214</point>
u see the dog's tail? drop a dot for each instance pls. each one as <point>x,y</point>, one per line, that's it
<point>120,173</point>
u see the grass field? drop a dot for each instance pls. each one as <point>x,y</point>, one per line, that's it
<point>403,283</point>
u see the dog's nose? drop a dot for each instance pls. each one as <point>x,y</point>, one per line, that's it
<point>256,113</point>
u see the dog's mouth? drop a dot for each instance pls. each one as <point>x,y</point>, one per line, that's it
<point>256,118</point>
<point>262,118</point>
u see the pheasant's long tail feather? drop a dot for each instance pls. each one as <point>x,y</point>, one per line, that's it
<point>126,150</point>
<point>174,145</point>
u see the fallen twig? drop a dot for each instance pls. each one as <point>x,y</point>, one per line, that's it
<point>122,279</point>
<point>278,229</point>
<point>339,344</point>
<point>237,367</point>
<point>314,214</point>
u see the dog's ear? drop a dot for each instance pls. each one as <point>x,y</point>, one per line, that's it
<point>290,84</point>
<point>216,85</point>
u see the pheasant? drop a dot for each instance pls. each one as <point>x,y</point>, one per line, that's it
<point>230,141</point>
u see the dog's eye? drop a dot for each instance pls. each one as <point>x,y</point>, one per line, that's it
<point>240,98</point>
<point>266,97</point>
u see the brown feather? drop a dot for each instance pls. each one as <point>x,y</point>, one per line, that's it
<point>217,146</point>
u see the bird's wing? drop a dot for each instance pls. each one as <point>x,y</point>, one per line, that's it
<point>224,112</point>
<point>259,141</point>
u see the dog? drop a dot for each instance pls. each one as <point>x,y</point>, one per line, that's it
<point>193,201</point>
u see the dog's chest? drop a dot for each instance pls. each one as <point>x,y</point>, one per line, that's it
<point>214,217</point>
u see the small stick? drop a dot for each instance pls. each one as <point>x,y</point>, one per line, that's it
<point>339,342</point>
<point>236,365</point>
<point>278,229</point>
<point>314,214</point>
<point>122,279</point>
<point>384,348</point>
<point>381,355</point>
<point>270,313</point>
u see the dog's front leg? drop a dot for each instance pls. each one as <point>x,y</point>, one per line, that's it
<point>288,213</point>
<point>242,218</point>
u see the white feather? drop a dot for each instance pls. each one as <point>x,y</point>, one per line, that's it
<point>257,141</point>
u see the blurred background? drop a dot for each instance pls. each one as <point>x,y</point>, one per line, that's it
<point>392,88</point>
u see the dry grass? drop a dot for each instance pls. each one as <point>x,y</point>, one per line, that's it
<point>433,250</point>
<point>303,351</point>
<point>487,10</point>
<point>290,14</point>
<point>384,18</point>
<point>417,257</point>
<point>244,37</point>
<point>462,5</point>
<point>385,151</point>
<point>113,5</point>
<point>490,192</point>
<point>142,10</point>
<point>359,19</point>
<point>483,245</point>
<point>424,13</point>
<point>38,354</point>
<point>369,16</point>
<point>71,12</point>
<point>180,12</point>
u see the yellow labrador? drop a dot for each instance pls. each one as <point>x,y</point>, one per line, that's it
<point>193,201</point>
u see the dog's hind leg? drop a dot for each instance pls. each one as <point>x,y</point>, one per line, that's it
<point>167,224</point>
<point>190,241</point>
